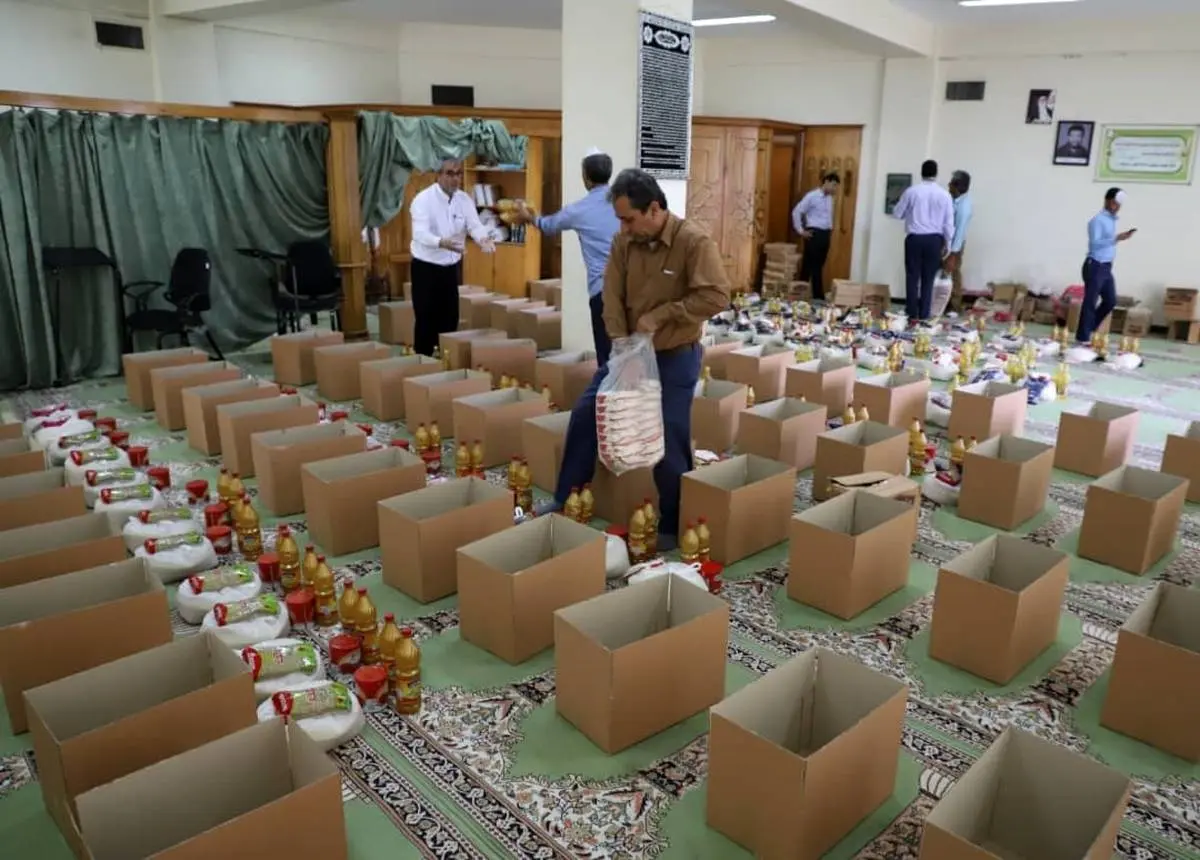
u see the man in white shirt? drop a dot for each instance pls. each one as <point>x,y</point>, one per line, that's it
<point>442,217</point>
<point>813,220</point>
<point>927,211</point>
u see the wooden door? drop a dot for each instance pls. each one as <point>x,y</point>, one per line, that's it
<point>781,183</point>
<point>551,202</point>
<point>745,163</point>
<point>395,237</point>
<point>835,147</point>
<point>706,182</point>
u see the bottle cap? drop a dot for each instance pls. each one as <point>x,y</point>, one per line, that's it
<point>391,616</point>
<point>362,592</point>
<point>320,558</point>
<point>406,632</point>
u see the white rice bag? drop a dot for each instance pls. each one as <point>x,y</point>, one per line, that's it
<point>689,573</point>
<point>76,472</point>
<point>193,607</point>
<point>629,423</point>
<point>939,491</point>
<point>136,532</point>
<point>180,562</point>
<point>258,628</point>
<point>326,730</point>
<point>127,479</point>
<point>47,415</point>
<point>264,688</point>
<point>616,557</point>
<point>48,436</point>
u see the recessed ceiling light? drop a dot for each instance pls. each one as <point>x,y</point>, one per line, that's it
<point>741,19</point>
<point>1011,2</point>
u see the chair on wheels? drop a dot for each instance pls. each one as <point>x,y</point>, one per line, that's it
<point>311,283</point>
<point>187,292</point>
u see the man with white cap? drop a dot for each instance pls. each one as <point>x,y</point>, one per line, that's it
<point>1099,288</point>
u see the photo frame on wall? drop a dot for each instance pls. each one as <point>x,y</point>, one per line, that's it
<point>897,184</point>
<point>1039,110</point>
<point>1073,143</point>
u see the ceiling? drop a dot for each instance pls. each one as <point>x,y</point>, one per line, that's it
<point>949,12</point>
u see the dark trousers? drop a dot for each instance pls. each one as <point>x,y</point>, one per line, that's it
<point>435,303</point>
<point>922,259</point>
<point>812,266</point>
<point>599,332</point>
<point>679,370</point>
<point>1099,298</point>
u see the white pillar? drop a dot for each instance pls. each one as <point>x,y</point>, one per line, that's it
<point>600,45</point>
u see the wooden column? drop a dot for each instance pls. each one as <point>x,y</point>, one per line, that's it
<point>346,222</point>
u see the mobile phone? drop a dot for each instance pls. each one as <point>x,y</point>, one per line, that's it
<point>1133,229</point>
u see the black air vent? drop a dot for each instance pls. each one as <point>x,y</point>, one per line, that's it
<point>111,35</point>
<point>965,91</point>
<point>443,96</point>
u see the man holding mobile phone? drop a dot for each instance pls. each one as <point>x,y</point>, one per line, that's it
<point>1099,286</point>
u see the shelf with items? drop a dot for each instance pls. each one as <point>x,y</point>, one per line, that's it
<point>515,263</point>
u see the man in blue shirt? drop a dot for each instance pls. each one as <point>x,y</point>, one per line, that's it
<point>591,217</point>
<point>960,191</point>
<point>1099,288</point>
<point>813,221</point>
<point>928,215</point>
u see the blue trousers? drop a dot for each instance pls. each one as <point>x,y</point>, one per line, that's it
<point>599,332</point>
<point>922,259</point>
<point>1099,298</point>
<point>679,370</point>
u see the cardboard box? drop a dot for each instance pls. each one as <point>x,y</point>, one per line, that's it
<point>511,582</point>
<point>637,660</point>
<point>865,446</point>
<point>238,422</point>
<point>341,494</point>
<point>12,431</point>
<point>761,367</point>
<point>986,409</point>
<point>200,409</point>
<point>431,397</point>
<point>1179,303</point>
<point>1154,685</point>
<point>500,357</point>
<point>1137,322</point>
<point>847,294</point>
<point>420,533</point>
<point>715,411</point>
<point>117,609</point>
<point>1073,309</point>
<point>541,325</point>
<point>495,418</point>
<point>39,497</point>
<point>997,607</point>
<point>542,441</point>
<point>17,458</point>
<point>785,430</point>
<point>747,501</point>
<point>828,381</point>
<point>51,549</point>
<point>716,353</point>
<point>397,323</point>
<point>877,298</point>
<point>618,496</point>
<point>800,756</point>
<point>337,366</point>
<point>456,345</point>
<point>566,374</point>
<point>278,456</point>
<point>504,311</point>
<point>168,383</point>
<point>475,310</point>
<point>880,484</point>
<point>849,553</point>
<point>893,398</point>
<point>382,383</point>
<point>267,792</point>
<point>1097,441</point>
<point>1005,481</point>
<point>136,367</point>
<point>1131,517</point>
<point>1182,457</point>
<point>1005,806</point>
<point>292,355</point>
<point>545,290</point>
<point>115,719</point>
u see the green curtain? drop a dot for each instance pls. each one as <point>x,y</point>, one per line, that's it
<point>391,147</point>
<point>141,188</point>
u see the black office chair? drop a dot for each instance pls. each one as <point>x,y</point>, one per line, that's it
<point>311,283</point>
<point>188,294</point>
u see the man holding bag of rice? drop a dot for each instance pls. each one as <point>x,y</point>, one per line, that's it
<point>665,278</point>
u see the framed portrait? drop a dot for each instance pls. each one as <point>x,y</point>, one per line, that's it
<point>1039,110</point>
<point>1073,143</point>
<point>897,184</point>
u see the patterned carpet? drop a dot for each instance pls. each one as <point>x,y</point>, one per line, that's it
<point>489,771</point>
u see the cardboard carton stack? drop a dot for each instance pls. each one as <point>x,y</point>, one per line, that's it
<point>779,268</point>
<point>1181,307</point>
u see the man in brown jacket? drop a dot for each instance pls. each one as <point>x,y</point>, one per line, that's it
<point>664,278</point>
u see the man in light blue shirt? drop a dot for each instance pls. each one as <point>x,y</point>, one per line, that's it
<point>1099,287</point>
<point>960,191</point>
<point>928,215</point>
<point>813,220</point>
<point>591,217</point>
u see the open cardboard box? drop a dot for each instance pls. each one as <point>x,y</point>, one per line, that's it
<point>475,310</point>
<point>618,496</point>
<point>785,430</point>
<point>11,431</point>
<point>338,365</point>
<point>747,501</point>
<point>456,345</point>
<point>1097,441</point>
<point>1005,481</point>
<point>1180,457</point>
<point>566,374</point>
<point>420,533</point>
<point>115,719</point>
<point>17,458</point>
<point>397,323</point>
<point>136,367</point>
<point>382,383</point>
<point>545,289</point>
<point>715,411</point>
<point>511,582</point>
<point>292,355</point>
<point>828,381</point>
<point>495,418</point>
<point>238,422</point>
<point>893,398</point>
<point>431,397</point>
<point>50,549</point>
<point>635,661</point>
<point>39,497</point>
<point>541,325</point>
<point>1130,518</point>
<point>168,383</point>
<point>716,353</point>
<point>279,454</point>
<point>761,367</point>
<point>797,758</point>
<point>341,494</point>
<point>200,409</point>
<point>986,409</point>
<point>847,554</point>
<point>1031,799</point>
<point>501,357</point>
<point>117,609</point>
<point>997,607</point>
<point>865,446</point>
<point>504,313</point>
<point>542,441</point>
<point>1154,685</point>
<point>266,792</point>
